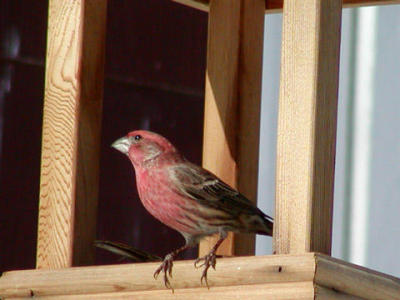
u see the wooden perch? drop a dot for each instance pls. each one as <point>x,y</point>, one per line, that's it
<point>266,277</point>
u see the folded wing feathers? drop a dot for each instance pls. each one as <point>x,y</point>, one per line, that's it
<point>204,187</point>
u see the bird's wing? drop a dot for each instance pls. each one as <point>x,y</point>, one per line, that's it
<point>206,188</point>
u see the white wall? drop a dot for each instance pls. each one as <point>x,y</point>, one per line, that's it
<point>384,230</point>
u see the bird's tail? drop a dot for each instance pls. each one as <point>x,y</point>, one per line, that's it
<point>257,222</point>
<point>126,251</point>
<point>268,226</point>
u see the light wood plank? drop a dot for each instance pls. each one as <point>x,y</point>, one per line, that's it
<point>89,134</point>
<point>275,6</point>
<point>355,280</point>
<point>307,126</point>
<point>271,276</point>
<point>219,141</point>
<point>232,103</point>
<point>270,291</point>
<point>71,129</point>
<point>139,277</point>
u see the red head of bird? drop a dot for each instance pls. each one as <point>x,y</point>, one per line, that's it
<point>145,148</point>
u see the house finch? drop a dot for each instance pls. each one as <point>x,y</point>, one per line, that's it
<point>187,197</point>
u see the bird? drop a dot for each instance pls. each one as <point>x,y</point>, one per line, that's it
<point>187,198</point>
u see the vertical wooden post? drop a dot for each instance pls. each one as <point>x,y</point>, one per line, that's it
<point>71,133</point>
<point>307,125</point>
<point>232,103</point>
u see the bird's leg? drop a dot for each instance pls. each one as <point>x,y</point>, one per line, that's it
<point>209,260</point>
<point>166,265</point>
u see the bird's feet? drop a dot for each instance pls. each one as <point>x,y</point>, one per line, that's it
<point>206,261</point>
<point>166,268</point>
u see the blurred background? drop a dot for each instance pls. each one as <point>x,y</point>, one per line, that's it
<point>154,79</point>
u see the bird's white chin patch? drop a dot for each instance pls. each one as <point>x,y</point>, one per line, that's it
<point>122,145</point>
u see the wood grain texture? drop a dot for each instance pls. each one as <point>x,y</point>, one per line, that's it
<point>139,277</point>
<point>232,104</point>
<point>307,126</point>
<point>273,291</point>
<point>275,6</point>
<point>354,280</point>
<point>89,131</point>
<point>71,128</point>
<point>262,277</point>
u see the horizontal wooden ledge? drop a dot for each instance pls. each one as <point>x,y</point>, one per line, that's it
<point>281,291</point>
<point>255,277</point>
<point>274,6</point>
<point>139,277</point>
<point>350,279</point>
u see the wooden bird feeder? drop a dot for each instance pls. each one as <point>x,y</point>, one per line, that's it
<point>302,267</point>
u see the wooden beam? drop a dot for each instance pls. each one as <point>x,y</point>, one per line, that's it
<point>307,126</point>
<point>281,291</point>
<point>202,5</point>
<point>360,3</point>
<point>337,275</point>
<point>275,6</point>
<point>232,103</point>
<point>234,271</point>
<point>262,277</point>
<point>71,133</point>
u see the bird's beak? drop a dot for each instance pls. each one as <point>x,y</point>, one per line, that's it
<point>122,145</point>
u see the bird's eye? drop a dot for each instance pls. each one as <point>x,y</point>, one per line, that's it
<point>138,137</point>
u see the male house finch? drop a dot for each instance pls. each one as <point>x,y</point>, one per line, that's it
<point>187,197</point>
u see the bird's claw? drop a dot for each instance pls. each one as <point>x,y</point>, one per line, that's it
<point>208,261</point>
<point>166,268</point>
